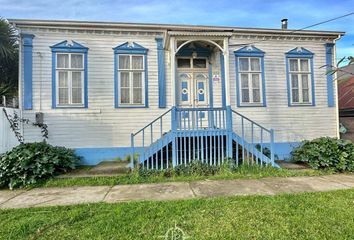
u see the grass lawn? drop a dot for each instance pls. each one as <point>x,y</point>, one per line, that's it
<point>242,172</point>
<point>328,215</point>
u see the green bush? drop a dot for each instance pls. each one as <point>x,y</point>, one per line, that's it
<point>30,162</point>
<point>326,153</point>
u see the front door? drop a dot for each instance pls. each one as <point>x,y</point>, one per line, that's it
<point>192,90</point>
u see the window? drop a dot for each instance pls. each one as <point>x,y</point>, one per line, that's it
<point>131,83</point>
<point>70,79</point>
<point>131,79</point>
<point>250,82</point>
<point>191,63</point>
<point>299,65</point>
<point>69,83</point>
<point>300,75</point>
<point>250,76</point>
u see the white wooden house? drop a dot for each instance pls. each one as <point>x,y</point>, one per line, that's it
<point>172,93</point>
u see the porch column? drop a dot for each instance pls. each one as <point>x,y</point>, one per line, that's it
<point>227,71</point>
<point>173,70</point>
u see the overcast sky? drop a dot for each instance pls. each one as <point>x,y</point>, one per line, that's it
<point>246,13</point>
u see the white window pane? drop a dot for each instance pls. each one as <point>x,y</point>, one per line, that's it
<point>137,80</point>
<point>293,65</point>
<point>124,62</point>
<point>245,96</point>
<point>125,97</point>
<point>255,64</point>
<point>243,64</point>
<point>62,61</point>
<point>137,62</point>
<point>63,79</point>
<point>305,95</point>
<point>256,95</point>
<point>255,80</point>
<point>138,96</point>
<point>124,79</point>
<point>305,81</point>
<point>304,65</point>
<point>77,61</point>
<point>244,80</point>
<point>63,96</point>
<point>76,95</point>
<point>294,81</point>
<point>295,95</point>
<point>76,79</point>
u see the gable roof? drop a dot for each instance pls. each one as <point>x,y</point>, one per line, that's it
<point>346,94</point>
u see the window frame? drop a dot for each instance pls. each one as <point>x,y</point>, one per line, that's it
<point>131,71</point>
<point>70,71</point>
<point>299,54</point>
<point>71,48</point>
<point>250,52</point>
<point>131,49</point>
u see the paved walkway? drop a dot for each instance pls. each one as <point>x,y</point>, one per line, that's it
<point>39,197</point>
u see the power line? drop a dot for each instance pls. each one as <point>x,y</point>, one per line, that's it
<point>298,30</point>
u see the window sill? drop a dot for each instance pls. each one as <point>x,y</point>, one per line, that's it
<point>131,106</point>
<point>301,105</point>
<point>252,105</point>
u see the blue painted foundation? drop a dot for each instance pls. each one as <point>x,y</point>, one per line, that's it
<point>93,156</point>
<point>283,149</point>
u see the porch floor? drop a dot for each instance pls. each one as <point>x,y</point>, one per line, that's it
<point>40,197</point>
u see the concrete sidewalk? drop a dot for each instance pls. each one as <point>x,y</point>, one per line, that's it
<point>39,197</point>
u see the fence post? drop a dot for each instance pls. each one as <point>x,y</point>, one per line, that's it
<point>174,135</point>
<point>272,146</point>
<point>132,151</point>
<point>4,101</point>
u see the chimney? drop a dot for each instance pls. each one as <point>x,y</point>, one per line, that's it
<point>284,24</point>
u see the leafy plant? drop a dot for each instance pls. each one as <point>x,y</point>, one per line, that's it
<point>28,163</point>
<point>326,153</point>
<point>8,59</point>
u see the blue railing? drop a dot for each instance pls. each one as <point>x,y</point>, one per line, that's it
<point>257,141</point>
<point>211,135</point>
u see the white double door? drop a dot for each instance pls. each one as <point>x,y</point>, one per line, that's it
<point>192,89</point>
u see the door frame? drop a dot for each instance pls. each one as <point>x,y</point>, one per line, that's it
<point>193,83</point>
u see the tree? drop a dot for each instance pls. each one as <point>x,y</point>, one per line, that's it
<point>8,59</point>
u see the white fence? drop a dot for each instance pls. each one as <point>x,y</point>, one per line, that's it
<point>7,136</point>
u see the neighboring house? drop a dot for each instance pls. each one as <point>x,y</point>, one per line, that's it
<point>184,91</point>
<point>346,100</point>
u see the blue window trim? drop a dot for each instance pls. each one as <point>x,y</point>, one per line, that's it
<point>27,43</point>
<point>250,51</point>
<point>130,49</point>
<point>330,88</point>
<point>64,47</point>
<point>300,53</point>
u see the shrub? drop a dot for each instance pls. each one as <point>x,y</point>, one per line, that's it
<point>30,162</point>
<point>326,153</point>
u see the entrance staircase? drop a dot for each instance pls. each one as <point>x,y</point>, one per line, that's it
<point>211,135</point>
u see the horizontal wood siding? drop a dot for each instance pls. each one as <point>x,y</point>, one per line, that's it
<point>291,124</point>
<point>101,125</point>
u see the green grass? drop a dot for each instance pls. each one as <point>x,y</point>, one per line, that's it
<point>242,172</point>
<point>327,215</point>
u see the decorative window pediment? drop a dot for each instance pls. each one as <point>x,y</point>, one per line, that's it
<point>69,46</point>
<point>299,52</point>
<point>249,51</point>
<point>130,48</point>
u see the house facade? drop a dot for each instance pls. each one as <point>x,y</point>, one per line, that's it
<point>100,87</point>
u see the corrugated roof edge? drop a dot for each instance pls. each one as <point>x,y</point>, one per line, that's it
<point>163,27</point>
